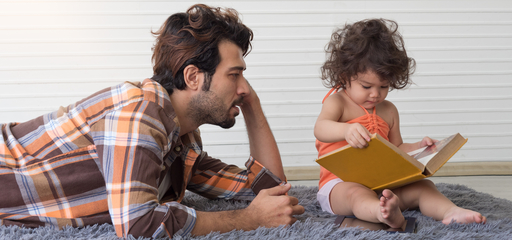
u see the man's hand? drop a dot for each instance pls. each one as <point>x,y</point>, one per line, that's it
<point>357,136</point>
<point>262,143</point>
<point>272,208</point>
<point>250,98</point>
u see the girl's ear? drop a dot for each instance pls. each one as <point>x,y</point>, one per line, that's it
<point>193,77</point>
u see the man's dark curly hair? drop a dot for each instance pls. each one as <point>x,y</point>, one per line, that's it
<point>193,37</point>
<point>372,44</point>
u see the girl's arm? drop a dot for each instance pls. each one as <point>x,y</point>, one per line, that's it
<point>408,147</point>
<point>329,129</point>
<point>395,136</point>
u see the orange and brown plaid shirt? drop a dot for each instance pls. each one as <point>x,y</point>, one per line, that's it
<point>114,157</point>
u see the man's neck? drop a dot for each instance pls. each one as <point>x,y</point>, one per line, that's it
<point>180,101</point>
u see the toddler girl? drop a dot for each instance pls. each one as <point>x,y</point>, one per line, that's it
<point>366,60</point>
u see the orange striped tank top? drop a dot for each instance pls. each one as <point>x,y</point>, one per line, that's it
<point>372,122</point>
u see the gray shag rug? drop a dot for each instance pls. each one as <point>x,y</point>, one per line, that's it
<point>315,224</point>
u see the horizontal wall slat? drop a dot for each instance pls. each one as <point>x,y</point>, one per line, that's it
<point>262,12</point>
<point>252,25</point>
<point>258,51</point>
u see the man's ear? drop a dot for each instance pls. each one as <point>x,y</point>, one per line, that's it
<point>193,77</point>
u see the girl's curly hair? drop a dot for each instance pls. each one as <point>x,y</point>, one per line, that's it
<point>372,44</point>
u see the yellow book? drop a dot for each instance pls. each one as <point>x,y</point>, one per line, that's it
<point>382,165</point>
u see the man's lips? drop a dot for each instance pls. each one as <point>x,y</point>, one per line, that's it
<point>238,103</point>
<point>237,110</point>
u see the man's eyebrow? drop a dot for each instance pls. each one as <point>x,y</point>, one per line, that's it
<point>240,68</point>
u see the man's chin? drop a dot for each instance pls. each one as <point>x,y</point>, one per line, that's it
<point>227,124</point>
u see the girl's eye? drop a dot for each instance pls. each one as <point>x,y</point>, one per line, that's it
<point>384,87</point>
<point>365,87</point>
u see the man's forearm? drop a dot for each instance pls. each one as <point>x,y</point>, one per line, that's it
<point>270,208</point>
<point>262,143</point>
<point>223,221</point>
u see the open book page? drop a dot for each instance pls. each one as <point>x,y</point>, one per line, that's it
<point>424,160</point>
<point>424,155</point>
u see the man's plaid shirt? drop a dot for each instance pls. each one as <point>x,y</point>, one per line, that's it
<point>114,157</point>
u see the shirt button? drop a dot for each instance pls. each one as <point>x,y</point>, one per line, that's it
<point>177,148</point>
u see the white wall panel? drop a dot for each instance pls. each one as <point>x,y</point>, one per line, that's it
<point>53,53</point>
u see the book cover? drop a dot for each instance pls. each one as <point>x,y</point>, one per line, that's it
<point>383,165</point>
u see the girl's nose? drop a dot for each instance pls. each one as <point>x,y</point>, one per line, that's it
<point>374,93</point>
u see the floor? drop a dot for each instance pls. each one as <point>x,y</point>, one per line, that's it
<point>498,186</point>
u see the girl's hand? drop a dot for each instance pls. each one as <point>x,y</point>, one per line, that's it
<point>357,136</point>
<point>427,141</point>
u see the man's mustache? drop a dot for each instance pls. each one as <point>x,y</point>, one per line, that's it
<point>238,101</point>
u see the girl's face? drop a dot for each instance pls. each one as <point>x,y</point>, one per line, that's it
<point>367,89</point>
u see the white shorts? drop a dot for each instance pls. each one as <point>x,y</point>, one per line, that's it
<point>323,195</point>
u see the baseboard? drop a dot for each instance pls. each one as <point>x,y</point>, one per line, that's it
<point>449,169</point>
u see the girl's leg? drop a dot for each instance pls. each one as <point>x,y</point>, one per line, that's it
<point>349,198</point>
<point>425,196</point>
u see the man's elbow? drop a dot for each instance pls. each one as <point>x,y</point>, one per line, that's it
<point>151,226</point>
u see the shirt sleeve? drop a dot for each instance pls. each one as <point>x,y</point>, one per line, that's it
<point>131,143</point>
<point>213,178</point>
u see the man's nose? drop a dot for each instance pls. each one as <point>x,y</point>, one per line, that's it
<point>243,87</point>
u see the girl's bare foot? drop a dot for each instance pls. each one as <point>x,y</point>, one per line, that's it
<point>390,213</point>
<point>462,215</point>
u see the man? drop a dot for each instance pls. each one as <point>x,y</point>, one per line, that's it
<point>126,154</point>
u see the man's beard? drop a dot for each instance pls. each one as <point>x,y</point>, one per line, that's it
<point>208,108</point>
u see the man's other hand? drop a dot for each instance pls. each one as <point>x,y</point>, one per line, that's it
<point>272,208</point>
